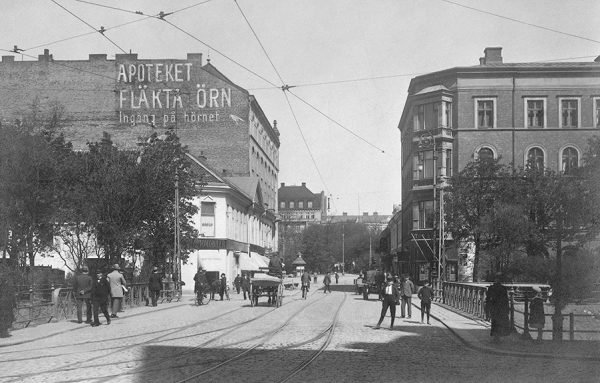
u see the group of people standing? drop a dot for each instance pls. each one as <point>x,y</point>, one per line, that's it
<point>98,292</point>
<point>399,292</point>
<point>202,287</point>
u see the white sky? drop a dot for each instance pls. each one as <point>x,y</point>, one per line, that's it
<point>315,41</point>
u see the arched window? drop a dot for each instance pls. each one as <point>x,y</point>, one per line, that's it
<point>485,153</point>
<point>569,160</point>
<point>535,158</point>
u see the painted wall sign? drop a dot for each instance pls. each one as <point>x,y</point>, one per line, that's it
<point>163,94</point>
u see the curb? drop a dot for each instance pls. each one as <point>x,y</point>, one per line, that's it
<point>483,348</point>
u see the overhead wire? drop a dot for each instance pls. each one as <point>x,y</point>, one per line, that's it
<point>284,88</point>
<point>101,31</point>
<point>305,142</point>
<point>520,21</point>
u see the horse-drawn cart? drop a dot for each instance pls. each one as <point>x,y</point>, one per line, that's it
<point>264,285</point>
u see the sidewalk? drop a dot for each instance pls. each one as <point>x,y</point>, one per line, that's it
<point>475,333</point>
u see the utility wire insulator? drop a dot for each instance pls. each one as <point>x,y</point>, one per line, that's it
<point>162,15</point>
<point>101,30</point>
<point>287,87</point>
<point>16,49</point>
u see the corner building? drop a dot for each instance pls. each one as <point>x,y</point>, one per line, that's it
<point>223,126</point>
<point>543,112</point>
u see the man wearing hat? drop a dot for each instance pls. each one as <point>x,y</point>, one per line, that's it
<point>82,288</point>
<point>390,296</point>
<point>117,285</point>
<point>154,285</point>
<point>100,293</point>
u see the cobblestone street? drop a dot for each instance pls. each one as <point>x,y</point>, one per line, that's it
<point>325,338</point>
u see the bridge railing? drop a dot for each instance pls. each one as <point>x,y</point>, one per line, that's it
<point>35,305</point>
<point>469,298</point>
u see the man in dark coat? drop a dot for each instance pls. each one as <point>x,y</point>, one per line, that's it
<point>275,266</point>
<point>223,286</point>
<point>327,283</point>
<point>154,285</point>
<point>390,296</point>
<point>82,290</point>
<point>407,289</point>
<point>200,285</point>
<point>100,294</point>
<point>237,283</point>
<point>246,285</point>
<point>305,279</point>
<point>496,300</point>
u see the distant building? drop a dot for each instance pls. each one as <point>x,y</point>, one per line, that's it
<point>519,112</point>
<point>299,207</point>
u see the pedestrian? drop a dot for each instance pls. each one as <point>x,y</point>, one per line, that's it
<point>497,301</point>
<point>425,294</point>
<point>117,285</point>
<point>407,289</point>
<point>275,266</point>
<point>223,286</point>
<point>82,290</point>
<point>305,279</point>
<point>100,293</point>
<point>537,319</point>
<point>390,297</point>
<point>337,277</point>
<point>327,283</point>
<point>200,284</point>
<point>215,286</point>
<point>154,285</point>
<point>237,283</point>
<point>315,277</point>
<point>246,285</point>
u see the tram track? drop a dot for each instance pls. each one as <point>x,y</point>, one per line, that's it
<point>159,339</point>
<point>328,332</point>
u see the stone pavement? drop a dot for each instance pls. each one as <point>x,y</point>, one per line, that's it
<point>176,340</point>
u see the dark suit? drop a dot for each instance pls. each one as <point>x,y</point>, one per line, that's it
<point>388,300</point>
<point>246,286</point>
<point>100,294</point>
<point>154,285</point>
<point>82,289</point>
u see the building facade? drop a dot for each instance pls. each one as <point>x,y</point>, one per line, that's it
<point>519,112</point>
<point>223,126</point>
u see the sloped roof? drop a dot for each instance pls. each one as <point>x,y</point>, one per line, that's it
<point>208,67</point>
<point>299,261</point>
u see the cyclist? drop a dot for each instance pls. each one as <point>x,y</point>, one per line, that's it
<point>305,283</point>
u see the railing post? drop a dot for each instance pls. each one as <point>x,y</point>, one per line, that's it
<point>526,334</point>
<point>511,295</point>
<point>571,326</point>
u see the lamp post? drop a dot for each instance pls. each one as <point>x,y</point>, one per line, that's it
<point>343,250</point>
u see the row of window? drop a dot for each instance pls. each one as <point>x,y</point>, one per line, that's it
<point>423,164</point>
<point>569,157</point>
<point>439,114</point>
<point>569,109</point>
<point>297,216</point>
<point>292,204</point>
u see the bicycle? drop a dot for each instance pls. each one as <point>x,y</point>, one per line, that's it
<point>305,288</point>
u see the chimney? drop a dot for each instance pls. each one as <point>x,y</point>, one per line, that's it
<point>8,59</point>
<point>365,214</point>
<point>97,57</point>
<point>283,184</point>
<point>375,213</point>
<point>47,57</point>
<point>493,55</point>
<point>344,214</point>
<point>196,57</point>
<point>304,184</point>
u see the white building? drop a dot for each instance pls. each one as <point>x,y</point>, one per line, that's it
<point>236,228</point>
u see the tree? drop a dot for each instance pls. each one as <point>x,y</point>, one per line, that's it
<point>471,196</point>
<point>28,167</point>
